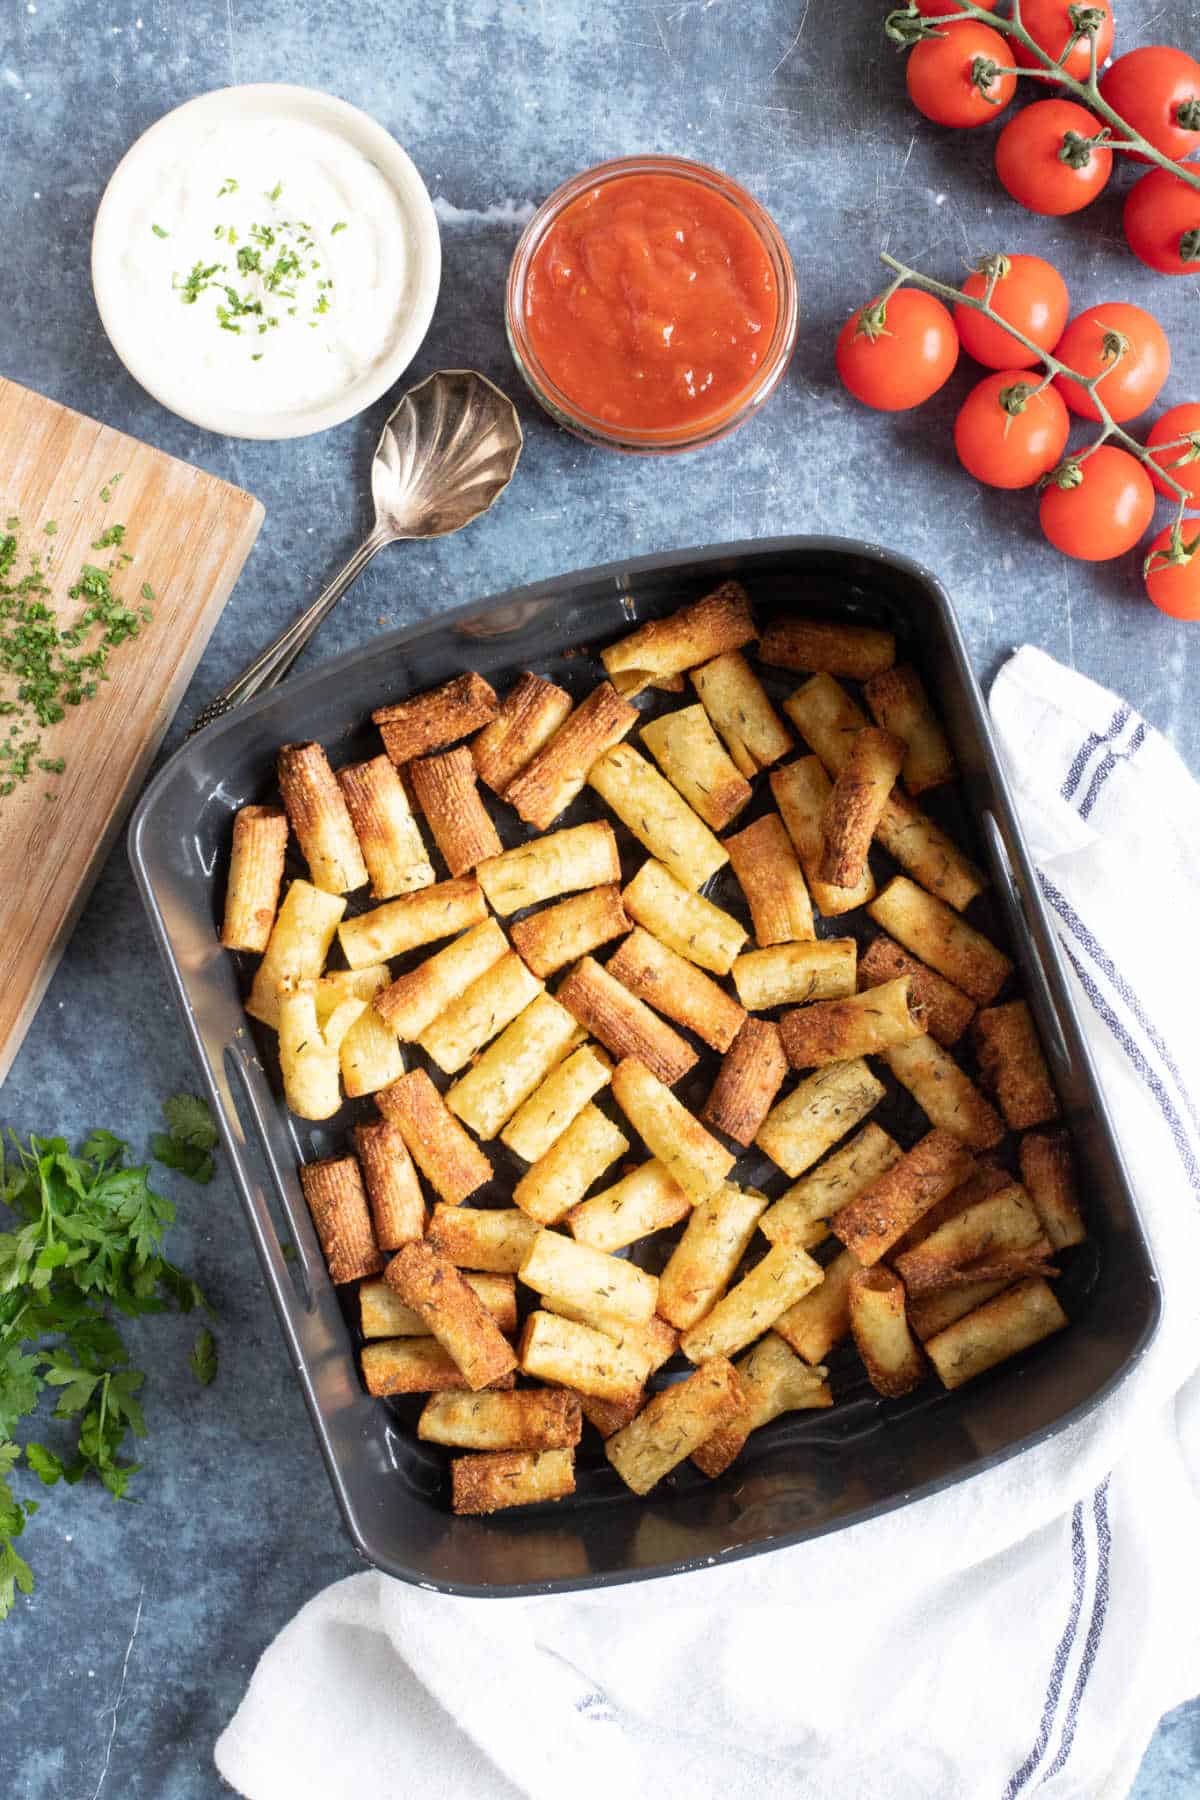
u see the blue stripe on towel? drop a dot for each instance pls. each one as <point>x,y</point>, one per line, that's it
<point>1108,764</point>
<point>1095,1629</point>
<point>1058,1668</point>
<point>1092,743</point>
<point>1104,962</point>
<point>1143,1068</point>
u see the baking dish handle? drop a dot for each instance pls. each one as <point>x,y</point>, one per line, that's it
<point>293,1287</point>
<point>1035,948</point>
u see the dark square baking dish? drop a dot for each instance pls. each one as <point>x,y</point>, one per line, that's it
<point>808,1473</point>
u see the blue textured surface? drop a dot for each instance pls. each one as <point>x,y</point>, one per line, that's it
<point>147,1621</point>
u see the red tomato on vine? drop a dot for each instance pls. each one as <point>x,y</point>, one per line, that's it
<point>1046,160</point>
<point>895,355</point>
<point>1050,25</point>
<point>1172,571</point>
<point>1181,461</point>
<point>1157,91</point>
<point>1030,294</point>
<point>1009,435</point>
<point>1127,347</point>
<point>1162,223</point>
<point>951,77</point>
<point>1103,510</point>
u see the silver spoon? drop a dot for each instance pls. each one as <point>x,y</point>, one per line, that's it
<point>446,453</point>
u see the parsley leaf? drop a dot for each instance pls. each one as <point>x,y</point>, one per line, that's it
<point>203,1360</point>
<point>19,1387</point>
<point>189,1118</point>
<point>188,1142</point>
<point>45,1465</point>
<point>15,1572</point>
<point>173,1153</point>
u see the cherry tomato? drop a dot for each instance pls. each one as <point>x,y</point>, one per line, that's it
<point>899,361</point>
<point>1105,513</point>
<point>1179,422</point>
<point>937,9</point>
<point>1174,587</point>
<point>1031,155</point>
<point>942,72</point>
<point>1049,24</point>
<point>1157,91</point>
<point>1004,443</point>
<point>1031,295</point>
<point>1137,370</point>
<point>1162,223</point>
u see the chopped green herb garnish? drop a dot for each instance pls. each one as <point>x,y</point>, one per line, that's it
<point>272,264</point>
<point>40,676</point>
<point>228,186</point>
<point>340,226</point>
<point>200,278</point>
<point>50,527</point>
<point>159,232</point>
<point>147,591</point>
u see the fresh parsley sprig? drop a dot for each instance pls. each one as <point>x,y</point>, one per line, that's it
<point>85,1244</point>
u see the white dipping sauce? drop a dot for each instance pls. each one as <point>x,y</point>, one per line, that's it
<point>309,237</point>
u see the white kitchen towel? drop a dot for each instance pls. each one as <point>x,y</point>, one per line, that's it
<point>1018,1634</point>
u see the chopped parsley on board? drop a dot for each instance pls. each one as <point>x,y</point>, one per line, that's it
<point>47,662</point>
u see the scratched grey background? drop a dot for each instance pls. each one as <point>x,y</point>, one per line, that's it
<point>147,1620</point>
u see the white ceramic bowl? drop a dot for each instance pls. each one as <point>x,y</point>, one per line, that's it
<point>160,144</point>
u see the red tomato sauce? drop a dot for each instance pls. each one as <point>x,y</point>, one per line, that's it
<point>651,303</point>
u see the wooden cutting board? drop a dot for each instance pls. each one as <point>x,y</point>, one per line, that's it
<point>189,535</point>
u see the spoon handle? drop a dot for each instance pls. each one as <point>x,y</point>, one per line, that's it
<point>272,664</point>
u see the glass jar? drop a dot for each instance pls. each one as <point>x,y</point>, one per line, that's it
<point>658,439</point>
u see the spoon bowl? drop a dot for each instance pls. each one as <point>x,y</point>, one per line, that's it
<point>447,452</point>
<point>445,455</point>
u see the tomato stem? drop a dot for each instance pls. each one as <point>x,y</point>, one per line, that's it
<point>906,26</point>
<point>1189,245</point>
<point>1076,151</point>
<point>984,74</point>
<point>1189,444</point>
<point>1114,348</point>
<point>1013,400</point>
<point>1046,381</point>
<point>1176,553</point>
